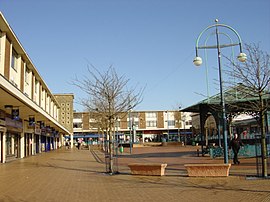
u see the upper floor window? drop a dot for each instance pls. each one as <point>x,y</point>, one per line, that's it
<point>36,86</point>
<point>77,115</point>
<point>151,124</point>
<point>14,59</point>
<point>151,115</point>
<point>27,72</point>
<point>189,122</point>
<point>42,95</point>
<point>77,125</point>
<point>171,123</point>
<point>132,124</point>
<point>134,114</point>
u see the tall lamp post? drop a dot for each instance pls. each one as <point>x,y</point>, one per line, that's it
<point>130,131</point>
<point>198,61</point>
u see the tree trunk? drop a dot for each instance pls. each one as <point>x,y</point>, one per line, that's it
<point>110,148</point>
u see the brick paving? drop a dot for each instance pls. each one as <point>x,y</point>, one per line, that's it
<point>78,175</point>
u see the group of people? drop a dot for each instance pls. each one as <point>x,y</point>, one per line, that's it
<point>79,143</point>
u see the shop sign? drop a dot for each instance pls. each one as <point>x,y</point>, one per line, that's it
<point>13,123</point>
<point>43,130</point>
<point>37,129</point>
<point>48,129</point>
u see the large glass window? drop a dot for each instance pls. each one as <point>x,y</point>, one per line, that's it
<point>12,145</point>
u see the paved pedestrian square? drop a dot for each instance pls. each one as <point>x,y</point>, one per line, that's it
<point>79,175</point>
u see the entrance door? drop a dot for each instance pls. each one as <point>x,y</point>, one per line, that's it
<point>12,146</point>
<point>37,143</point>
<point>16,146</point>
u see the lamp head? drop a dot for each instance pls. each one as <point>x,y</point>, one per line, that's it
<point>242,57</point>
<point>197,61</point>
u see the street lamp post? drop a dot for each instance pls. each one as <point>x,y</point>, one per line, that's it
<point>179,118</point>
<point>198,61</point>
<point>185,134</point>
<point>168,131</point>
<point>130,131</point>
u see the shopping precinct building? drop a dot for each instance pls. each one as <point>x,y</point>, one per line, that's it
<point>29,112</point>
<point>138,126</point>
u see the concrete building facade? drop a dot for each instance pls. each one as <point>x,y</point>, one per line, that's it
<point>66,112</point>
<point>29,113</point>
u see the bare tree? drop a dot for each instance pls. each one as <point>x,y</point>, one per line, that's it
<point>254,77</point>
<point>109,96</point>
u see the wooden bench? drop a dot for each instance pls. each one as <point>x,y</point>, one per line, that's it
<point>157,169</point>
<point>208,170</point>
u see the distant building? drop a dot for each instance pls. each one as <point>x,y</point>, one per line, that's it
<point>66,112</point>
<point>140,126</point>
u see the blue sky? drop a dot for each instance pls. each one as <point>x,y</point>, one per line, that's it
<point>151,42</point>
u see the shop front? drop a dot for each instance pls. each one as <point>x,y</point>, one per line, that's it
<point>28,144</point>
<point>2,139</point>
<point>37,144</point>
<point>12,145</point>
<point>12,139</point>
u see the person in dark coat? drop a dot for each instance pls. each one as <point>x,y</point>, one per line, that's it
<point>235,145</point>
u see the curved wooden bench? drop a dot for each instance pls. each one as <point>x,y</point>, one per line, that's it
<point>157,169</point>
<point>208,170</point>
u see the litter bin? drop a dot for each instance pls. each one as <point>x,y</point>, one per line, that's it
<point>164,142</point>
<point>121,149</point>
<point>211,152</point>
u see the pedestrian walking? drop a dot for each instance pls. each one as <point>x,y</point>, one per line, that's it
<point>235,145</point>
<point>80,140</point>
<point>67,144</point>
